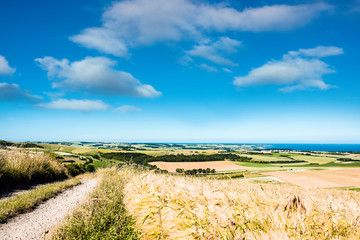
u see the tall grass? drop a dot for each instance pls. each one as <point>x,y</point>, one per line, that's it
<point>176,207</point>
<point>103,216</point>
<point>23,168</point>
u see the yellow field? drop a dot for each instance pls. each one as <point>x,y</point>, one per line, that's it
<point>311,159</point>
<point>315,159</point>
<point>265,158</point>
<point>323,178</point>
<point>176,207</point>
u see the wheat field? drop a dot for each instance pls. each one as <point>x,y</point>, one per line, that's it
<point>178,207</point>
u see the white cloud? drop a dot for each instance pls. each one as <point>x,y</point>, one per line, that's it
<point>74,104</point>
<point>54,94</point>
<point>132,23</point>
<point>227,70</point>
<point>214,51</point>
<point>103,40</point>
<point>186,60</point>
<point>12,92</point>
<point>294,72</point>
<point>94,75</point>
<point>5,69</point>
<point>127,108</point>
<point>319,52</point>
<point>208,68</point>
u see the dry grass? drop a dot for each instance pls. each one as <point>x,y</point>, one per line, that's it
<point>176,207</point>
<point>21,168</point>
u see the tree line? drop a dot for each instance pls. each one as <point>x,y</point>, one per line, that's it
<point>144,159</point>
<point>195,171</point>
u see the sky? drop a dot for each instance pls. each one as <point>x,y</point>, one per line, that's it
<point>180,71</point>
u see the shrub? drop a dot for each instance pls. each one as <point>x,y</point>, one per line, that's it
<point>75,169</point>
<point>90,168</point>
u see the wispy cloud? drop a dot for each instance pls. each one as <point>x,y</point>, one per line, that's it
<point>131,23</point>
<point>102,39</point>
<point>94,75</point>
<point>127,108</point>
<point>227,70</point>
<point>298,70</point>
<point>75,105</point>
<point>208,68</point>
<point>215,51</point>
<point>12,92</point>
<point>5,69</point>
<point>319,52</point>
<point>353,7</point>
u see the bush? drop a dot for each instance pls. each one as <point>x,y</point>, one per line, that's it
<point>347,160</point>
<point>163,171</point>
<point>76,169</point>
<point>90,168</point>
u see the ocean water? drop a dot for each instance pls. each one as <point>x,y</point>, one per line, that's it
<point>314,147</point>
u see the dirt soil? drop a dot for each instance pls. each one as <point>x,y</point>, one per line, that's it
<point>217,165</point>
<point>322,178</point>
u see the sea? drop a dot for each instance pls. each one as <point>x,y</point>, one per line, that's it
<point>313,147</point>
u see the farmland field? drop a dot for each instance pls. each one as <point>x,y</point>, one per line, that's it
<point>266,158</point>
<point>315,159</point>
<point>217,165</point>
<point>322,178</point>
<point>321,159</point>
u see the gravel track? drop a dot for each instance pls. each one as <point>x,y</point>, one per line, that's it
<point>35,224</point>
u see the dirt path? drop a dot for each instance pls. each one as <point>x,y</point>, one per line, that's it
<point>34,224</point>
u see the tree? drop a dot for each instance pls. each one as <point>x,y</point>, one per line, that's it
<point>90,168</point>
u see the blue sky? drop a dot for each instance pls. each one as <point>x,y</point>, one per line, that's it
<point>180,71</point>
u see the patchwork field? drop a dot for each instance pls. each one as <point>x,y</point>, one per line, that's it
<point>217,165</point>
<point>322,178</point>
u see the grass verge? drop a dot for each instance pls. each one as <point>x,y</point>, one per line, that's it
<point>13,206</point>
<point>26,168</point>
<point>103,216</point>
